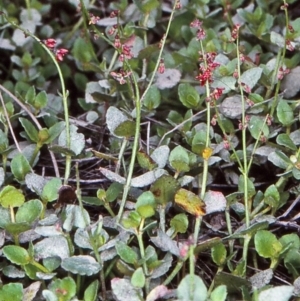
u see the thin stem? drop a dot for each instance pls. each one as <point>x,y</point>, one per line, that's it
<point>163,41</point>
<point>64,93</point>
<point>9,124</point>
<point>34,119</point>
<point>244,137</point>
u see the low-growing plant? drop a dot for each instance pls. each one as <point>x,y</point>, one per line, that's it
<point>150,149</point>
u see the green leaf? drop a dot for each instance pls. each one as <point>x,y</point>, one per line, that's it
<point>179,159</point>
<point>116,120</point>
<point>76,217</point>
<point>145,161</point>
<point>11,197</point>
<point>3,142</point>
<point>218,254</point>
<point>199,142</point>
<point>82,51</point>
<point>123,290</point>
<point>20,167</point>
<point>62,150</point>
<point>64,288</point>
<point>55,130</point>
<point>285,140</point>
<point>206,245</point>
<point>81,264</point>
<point>41,100</point>
<point>11,291</point>
<point>285,113</point>
<point>188,95</point>
<point>277,39</point>
<point>174,118</point>
<point>272,196</point>
<point>146,211</point>
<point>51,263</point>
<point>91,293</point>
<point>152,98</point>
<point>30,95</point>
<point>132,221</point>
<point>77,140</point>
<point>49,192</point>
<point>29,211</point>
<point>180,223</point>
<point>17,228</point>
<point>192,289</point>
<point>113,191</point>
<point>279,159</point>
<point>266,244</point>
<point>278,293</point>
<point>138,278</point>
<point>146,6</point>
<point>251,76</point>
<point>296,173</point>
<point>30,129</point>
<point>258,127</point>
<point>146,198</point>
<point>4,216</point>
<point>125,129</point>
<point>219,293</point>
<point>164,189</point>
<point>251,189</point>
<point>126,253</point>
<point>16,255</point>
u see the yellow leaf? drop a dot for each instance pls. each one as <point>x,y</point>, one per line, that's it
<point>206,154</point>
<point>190,202</point>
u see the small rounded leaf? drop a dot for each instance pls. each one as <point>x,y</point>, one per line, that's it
<point>16,255</point>
<point>138,278</point>
<point>82,265</point>
<point>11,197</point>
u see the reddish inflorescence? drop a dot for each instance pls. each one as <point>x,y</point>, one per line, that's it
<point>120,76</point>
<point>282,72</point>
<point>206,68</point>
<point>235,32</point>
<point>50,43</point>
<point>59,53</point>
<point>161,67</point>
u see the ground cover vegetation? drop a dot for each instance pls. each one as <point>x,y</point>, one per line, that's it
<point>149,150</point>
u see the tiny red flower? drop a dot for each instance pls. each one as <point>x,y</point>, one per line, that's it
<point>60,53</point>
<point>161,67</point>
<point>246,88</point>
<point>111,31</point>
<point>178,4</point>
<point>226,143</point>
<point>213,121</point>
<point>120,76</point>
<point>291,28</point>
<point>235,32</point>
<point>269,120</point>
<point>93,19</point>
<point>289,45</point>
<point>196,23</point>
<point>50,43</point>
<point>117,42</point>
<point>161,41</point>
<point>114,13</point>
